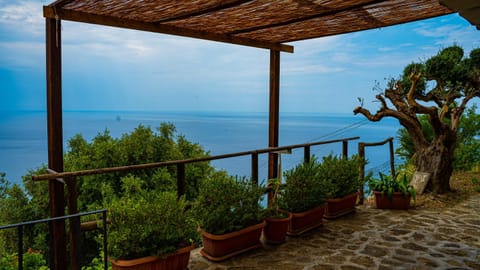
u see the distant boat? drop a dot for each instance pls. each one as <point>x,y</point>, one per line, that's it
<point>118,118</point>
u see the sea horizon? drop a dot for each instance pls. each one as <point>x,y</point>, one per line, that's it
<point>23,135</point>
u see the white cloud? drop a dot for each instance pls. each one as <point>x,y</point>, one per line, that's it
<point>302,68</point>
<point>23,16</point>
<point>319,45</point>
<point>396,47</point>
<point>317,56</point>
<point>448,33</point>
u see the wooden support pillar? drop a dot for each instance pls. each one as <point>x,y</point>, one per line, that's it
<point>392,156</point>
<point>55,139</point>
<point>361,154</point>
<point>274,112</point>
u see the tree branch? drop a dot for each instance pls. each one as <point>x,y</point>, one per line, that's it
<point>430,97</point>
<point>418,108</point>
<point>456,113</point>
<point>412,124</point>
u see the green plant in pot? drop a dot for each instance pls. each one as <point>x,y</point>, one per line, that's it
<point>230,216</point>
<point>341,179</point>
<point>149,229</point>
<point>304,196</point>
<point>392,192</point>
<point>277,220</point>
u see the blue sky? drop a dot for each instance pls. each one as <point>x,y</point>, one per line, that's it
<point>114,69</point>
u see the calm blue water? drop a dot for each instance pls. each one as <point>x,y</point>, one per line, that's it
<point>23,135</point>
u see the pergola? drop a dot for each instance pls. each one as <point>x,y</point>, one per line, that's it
<point>266,24</point>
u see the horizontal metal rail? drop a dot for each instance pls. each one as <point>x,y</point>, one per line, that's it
<point>46,220</point>
<point>61,175</point>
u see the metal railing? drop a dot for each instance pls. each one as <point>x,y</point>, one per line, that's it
<point>20,227</point>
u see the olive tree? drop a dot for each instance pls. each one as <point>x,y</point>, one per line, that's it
<point>439,88</point>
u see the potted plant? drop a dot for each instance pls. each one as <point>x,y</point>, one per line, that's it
<point>341,179</point>
<point>304,196</point>
<point>149,230</point>
<point>392,192</point>
<point>277,220</point>
<point>230,216</point>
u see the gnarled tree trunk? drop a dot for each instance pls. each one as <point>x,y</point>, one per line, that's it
<point>437,159</point>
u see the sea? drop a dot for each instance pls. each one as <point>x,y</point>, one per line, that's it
<point>23,135</point>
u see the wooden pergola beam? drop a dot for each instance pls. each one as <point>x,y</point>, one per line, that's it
<point>77,16</point>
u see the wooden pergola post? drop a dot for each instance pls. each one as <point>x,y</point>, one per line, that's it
<point>55,140</point>
<point>274,111</point>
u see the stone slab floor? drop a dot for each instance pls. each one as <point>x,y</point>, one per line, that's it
<point>446,238</point>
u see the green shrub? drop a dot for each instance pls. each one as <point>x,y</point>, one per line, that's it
<point>340,175</point>
<point>226,204</point>
<point>303,188</point>
<point>388,184</point>
<point>147,223</point>
<point>32,260</point>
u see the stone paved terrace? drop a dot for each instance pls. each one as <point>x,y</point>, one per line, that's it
<point>375,239</point>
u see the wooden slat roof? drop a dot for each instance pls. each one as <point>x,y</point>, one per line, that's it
<point>258,23</point>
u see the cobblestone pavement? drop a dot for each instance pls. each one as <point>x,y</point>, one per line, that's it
<point>374,239</point>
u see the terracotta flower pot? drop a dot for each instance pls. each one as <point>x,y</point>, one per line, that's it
<point>306,221</point>
<point>175,261</point>
<point>276,229</point>
<point>399,201</point>
<point>222,247</point>
<point>341,206</point>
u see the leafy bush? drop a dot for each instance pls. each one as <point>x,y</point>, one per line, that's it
<point>16,207</point>
<point>388,184</point>
<point>340,175</point>
<point>32,260</point>
<point>148,223</point>
<point>226,204</point>
<point>303,188</point>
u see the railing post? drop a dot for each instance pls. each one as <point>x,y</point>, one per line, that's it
<point>345,149</point>
<point>306,154</point>
<point>20,247</point>
<point>392,157</point>
<point>105,255</point>
<point>180,179</point>
<point>361,154</point>
<point>74,223</point>
<point>255,168</point>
